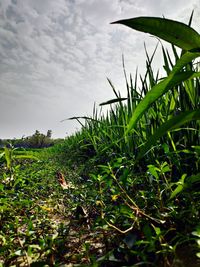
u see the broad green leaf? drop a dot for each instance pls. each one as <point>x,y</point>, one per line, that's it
<point>165,167</point>
<point>197,232</point>
<point>171,124</point>
<point>175,32</point>
<point>153,170</point>
<point>174,78</point>
<point>157,91</point>
<point>157,230</point>
<point>180,186</point>
<point>186,58</point>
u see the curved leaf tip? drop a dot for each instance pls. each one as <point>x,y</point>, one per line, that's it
<point>172,31</point>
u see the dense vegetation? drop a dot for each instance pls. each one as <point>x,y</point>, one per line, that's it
<point>127,186</point>
<point>37,140</point>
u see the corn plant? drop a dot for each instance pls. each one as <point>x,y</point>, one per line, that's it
<point>182,72</point>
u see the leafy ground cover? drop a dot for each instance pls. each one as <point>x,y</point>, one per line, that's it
<point>98,220</point>
<point>123,191</point>
<point>43,224</point>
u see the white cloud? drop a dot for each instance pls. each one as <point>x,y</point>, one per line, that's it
<point>96,12</point>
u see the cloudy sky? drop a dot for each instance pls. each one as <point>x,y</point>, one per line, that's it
<point>55,57</point>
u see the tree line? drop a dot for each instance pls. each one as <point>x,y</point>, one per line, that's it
<point>37,140</point>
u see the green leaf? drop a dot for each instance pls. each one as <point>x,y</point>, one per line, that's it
<point>18,252</point>
<point>2,154</point>
<point>166,148</point>
<point>165,167</point>
<point>153,170</point>
<point>1,187</point>
<point>193,179</point>
<point>171,124</point>
<point>197,232</point>
<point>158,90</point>
<point>26,157</point>
<point>147,232</point>
<point>174,78</point>
<point>157,230</point>
<point>180,186</point>
<point>198,254</point>
<point>8,157</point>
<point>175,32</point>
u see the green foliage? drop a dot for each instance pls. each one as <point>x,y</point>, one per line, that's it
<point>28,231</point>
<point>170,125</point>
<point>174,32</point>
<point>135,168</point>
<point>143,156</point>
<point>177,34</point>
<point>37,140</point>
<point>10,156</point>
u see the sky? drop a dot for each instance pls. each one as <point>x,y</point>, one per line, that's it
<point>56,56</point>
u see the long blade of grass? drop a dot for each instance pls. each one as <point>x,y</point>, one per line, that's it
<point>175,32</point>
<point>26,157</point>
<point>171,124</point>
<point>191,17</point>
<point>174,78</point>
<point>8,157</point>
<point>115,100</point>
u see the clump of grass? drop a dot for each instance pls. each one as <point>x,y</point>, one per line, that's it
<point>170,121</point>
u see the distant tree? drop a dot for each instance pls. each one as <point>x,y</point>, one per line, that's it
<point>49,134</point>
<point>40,140</point>
<point>37,140</point>
<point>1,143</point>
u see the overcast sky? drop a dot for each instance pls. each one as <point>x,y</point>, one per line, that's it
<point>55,56</point>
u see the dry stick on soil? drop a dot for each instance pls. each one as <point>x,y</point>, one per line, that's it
<point>134,206</point>
<point>119,230</point>
<point>61,180</point>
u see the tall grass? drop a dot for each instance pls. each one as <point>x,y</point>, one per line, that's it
<point>159,114</point>
<point>103,134</point>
